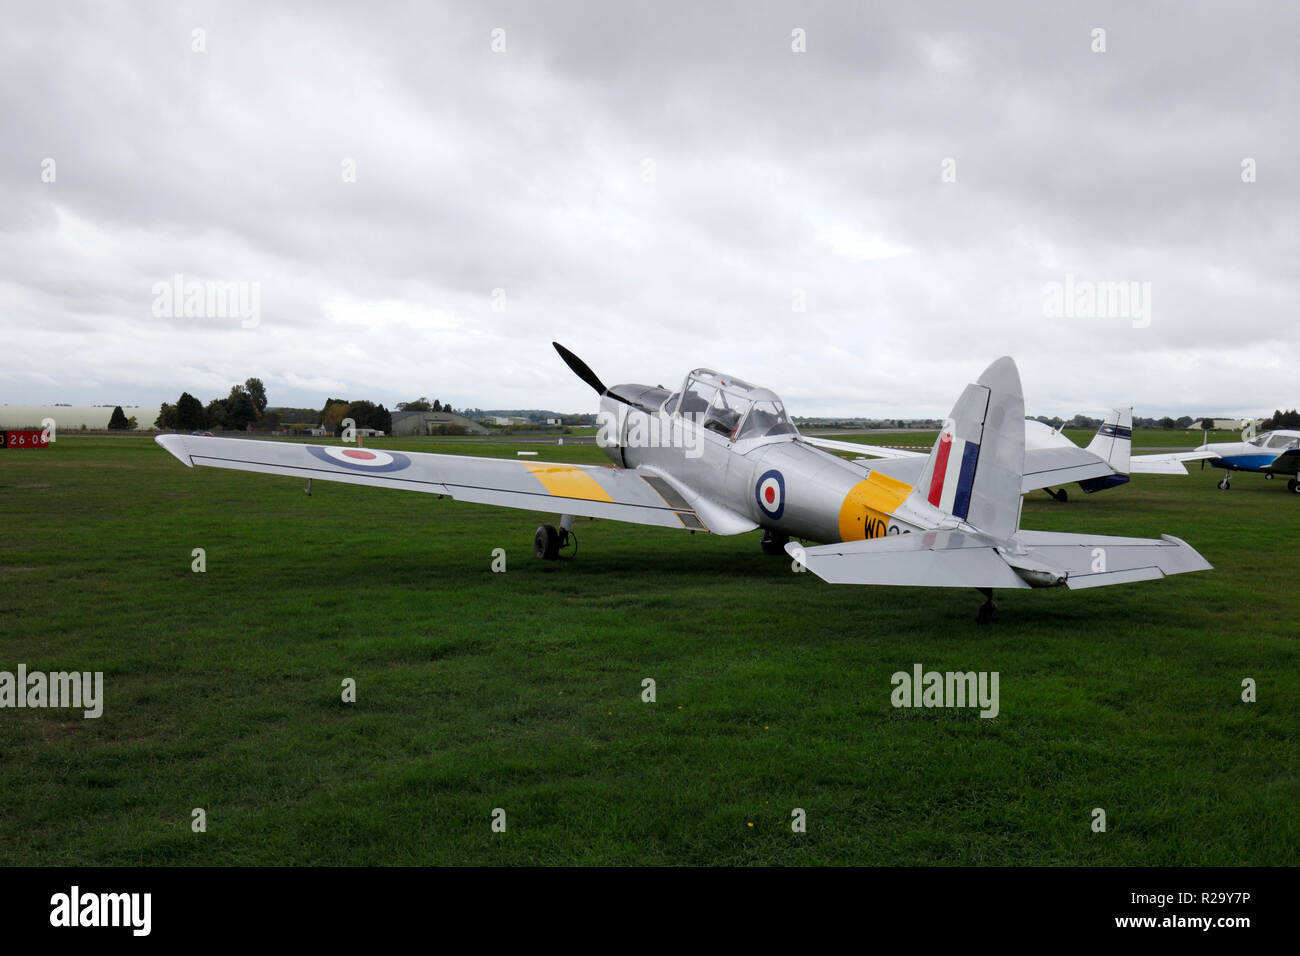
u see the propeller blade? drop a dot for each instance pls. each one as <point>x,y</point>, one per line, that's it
<point>580,369</point>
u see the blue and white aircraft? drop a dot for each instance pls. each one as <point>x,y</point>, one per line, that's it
<point>1272,453</point>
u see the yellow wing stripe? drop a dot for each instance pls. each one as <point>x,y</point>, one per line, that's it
<point>868,506</point>
<point>568,481</point>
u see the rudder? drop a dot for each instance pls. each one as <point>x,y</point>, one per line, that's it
<point>1114,439</point>
<point>974,470</point>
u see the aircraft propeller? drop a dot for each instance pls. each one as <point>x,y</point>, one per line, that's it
<point>584,372</point>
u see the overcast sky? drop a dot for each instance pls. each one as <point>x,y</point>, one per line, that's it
<point>861,226</point>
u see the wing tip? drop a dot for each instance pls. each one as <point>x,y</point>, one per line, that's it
<point>175,445</point>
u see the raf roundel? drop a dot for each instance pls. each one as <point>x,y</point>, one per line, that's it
<point>361,459</point>
<point>770,493</point>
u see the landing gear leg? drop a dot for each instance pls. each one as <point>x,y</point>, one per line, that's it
<point>988,612</point>
<point>774,542</point>
<point>567,535</point>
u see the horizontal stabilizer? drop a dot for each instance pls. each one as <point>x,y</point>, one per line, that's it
<point>1092,560</point>
<point>1030,559</point>
<point>940,559</point>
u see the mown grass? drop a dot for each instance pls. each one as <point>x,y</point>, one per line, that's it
<point>522,690</point>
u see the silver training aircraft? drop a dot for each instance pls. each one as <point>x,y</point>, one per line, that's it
<point>721,455</point>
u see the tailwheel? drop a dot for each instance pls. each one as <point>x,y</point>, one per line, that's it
<point>1268,476</point>
<point>988,612</point>
<point>546,543</point>
<point>774,542</point>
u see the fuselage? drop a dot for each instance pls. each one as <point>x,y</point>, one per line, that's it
<point>1257,454</point>
<point>765,473</point>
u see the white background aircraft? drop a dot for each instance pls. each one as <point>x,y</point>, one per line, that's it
<point>1053,459</point>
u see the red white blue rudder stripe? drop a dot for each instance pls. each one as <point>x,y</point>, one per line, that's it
<point>953,475</point>
<point>975,470</point>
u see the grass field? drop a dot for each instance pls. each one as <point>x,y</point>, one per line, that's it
<point>522,690</point>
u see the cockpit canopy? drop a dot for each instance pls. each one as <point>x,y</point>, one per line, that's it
<point>1276,440</point>
<point>730,406</point>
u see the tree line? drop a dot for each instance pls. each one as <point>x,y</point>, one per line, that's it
<point>422,404</point>
<point>1282,419</point>
<point>246,405</point>
<point>364,414</point>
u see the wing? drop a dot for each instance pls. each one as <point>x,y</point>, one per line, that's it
<point>1287,463</point>
<point>1060,465</point>
<point>1051,467</point>
<point>584,490</point>
<point>1166,464</point>
<point>877,451</point>
<point>1044,467</point>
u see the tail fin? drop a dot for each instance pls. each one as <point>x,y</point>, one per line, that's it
<point>1114,439</point>
<point>974,470</point>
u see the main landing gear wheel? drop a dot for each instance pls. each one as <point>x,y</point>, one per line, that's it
<point>1060,494</point>
<point>546,543</point>
<point>1293,486</point>
<point>1268,476</point>
<point>1224,485</point>
<point>988,612</point>
<point>774,542</point>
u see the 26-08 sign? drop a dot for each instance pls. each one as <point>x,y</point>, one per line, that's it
<point>24,438</point>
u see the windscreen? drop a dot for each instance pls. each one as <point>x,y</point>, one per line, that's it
<point>767,418</point>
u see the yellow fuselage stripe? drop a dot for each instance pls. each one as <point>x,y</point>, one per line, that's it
<point>868,506</point>
<point>568,481</point>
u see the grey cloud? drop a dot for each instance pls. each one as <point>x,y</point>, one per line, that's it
<point>773,171</point>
